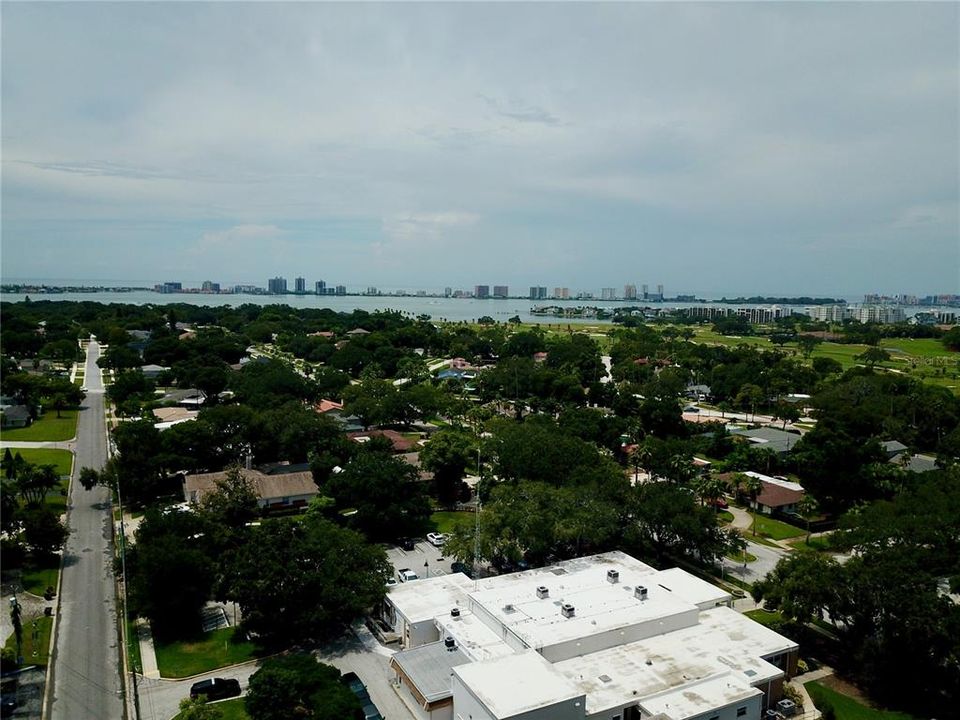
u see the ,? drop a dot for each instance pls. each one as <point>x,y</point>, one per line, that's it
<point>215,688</point>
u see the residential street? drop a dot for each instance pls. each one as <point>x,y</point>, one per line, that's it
<point>85,681</point>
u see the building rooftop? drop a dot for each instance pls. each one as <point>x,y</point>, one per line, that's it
<point>429,668</point>
<point>195,487</point>
<point>543,685</point>
<point>769,438</point>
<point>474,637</point>
<point>431,597</point>
<point>702,696</point>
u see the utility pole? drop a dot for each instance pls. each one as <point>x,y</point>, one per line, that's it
<point>123,572</point>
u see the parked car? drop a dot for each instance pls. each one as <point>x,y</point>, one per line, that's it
<point>215,688</point>
<point>408,544</point>
<point>406,574</point>
<point>391,582</point>
<point>370,711</point>
<point>436,539</point>
<point>721,503</point>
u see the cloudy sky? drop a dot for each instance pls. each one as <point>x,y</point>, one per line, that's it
<point>715,148</point>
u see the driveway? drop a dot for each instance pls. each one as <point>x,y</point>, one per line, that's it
<point>425,560</point>
<point>767,559</point>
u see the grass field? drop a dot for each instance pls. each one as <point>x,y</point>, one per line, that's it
<point>206,652</point>
<point>738,557</point>
<point>48,428</point>
<point>36,640</point>
<point>846,708</point>
<point>37,579</point>
<point>62,459</point>
<point>766,618</point>
<point>133,647</point>
<point>774,529</point>
<point>444,521</point>
<point>234,709</point>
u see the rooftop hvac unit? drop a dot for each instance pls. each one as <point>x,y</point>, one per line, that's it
<point>455,612</point>
<point>543,591</point>
<point>567,610</point>
<point>640,593</point>
<point>787,707</point>
<point>613,576</point>
<point>450,643</point>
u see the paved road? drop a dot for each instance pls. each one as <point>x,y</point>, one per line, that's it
<point>767,559</point>
<point>86,677</point>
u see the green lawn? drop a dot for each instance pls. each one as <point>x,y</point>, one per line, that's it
<point>133,647</point>
<point>775,529</point>
<point>846,708</point>
<point>766,618</point>
<point>821,543</point>
<point>36,579</point>
<point>204,653</point>
<point>62,459</point>
<point>706,335</point>
<point>48,428</point>
<point>35,642</point>
<point>738,557</point>
<point>234,709</point>
<point>725,516</point>
<point>444,521</point>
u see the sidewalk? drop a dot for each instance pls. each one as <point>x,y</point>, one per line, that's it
<point>810,711</point>
<point>148,655</point>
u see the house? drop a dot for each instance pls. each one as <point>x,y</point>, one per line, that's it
<point>399,442</point>
<point>914,463</point>
<point>15,416</point>
<point>777,496</point>
<point>592,638</point>
<point>539,357</point>
<point>698,392</point>
<point>152,371</point>
<point>321,333</point>
<point>274,492</point>
<point>413,459</point>
<point>325,406</point>
<point>767,438</point>
<point>167,417</point>
<point>358,331</point>
<point>892,448</point>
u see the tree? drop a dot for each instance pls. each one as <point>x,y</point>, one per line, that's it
<point>803,586</point>
<point>807,507</point>
<point>35,481</point>
<point>377,486</point>
<point>170,574</point>
<point>89,478</point>
<point>234,503</point>
<point>305,579</point>
<point>873,355</point>
<point>198,709</point>
<point>447,456</point>
<point>43,531</point>
<point>788,412</point>
<point>808,343</point>
<point>749,397</point>
<point>298,686</point>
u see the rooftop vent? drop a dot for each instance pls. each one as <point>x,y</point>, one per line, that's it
<point>567,610</point>
<point>640,593</point>
<point>508,608</point>
<point>449,643</point>
<point>455,612</point>
<point>613,576</point>
<point>543,591</point>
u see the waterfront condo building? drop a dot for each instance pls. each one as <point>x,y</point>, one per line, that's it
<point>501,291</point>
<point>481,291</point>
<point>277,285</point>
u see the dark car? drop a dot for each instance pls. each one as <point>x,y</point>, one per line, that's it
<point>215,688</point>
<point>8,704</point>
<point>408,544</point>
<point>356,686</point>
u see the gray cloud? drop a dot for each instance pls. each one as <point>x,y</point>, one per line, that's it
<point>593,144</point>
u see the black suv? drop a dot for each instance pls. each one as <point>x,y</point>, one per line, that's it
<point>357,687</point>
<point>215,688</point>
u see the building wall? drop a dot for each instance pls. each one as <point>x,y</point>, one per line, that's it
<point>753,710</point>
<point>468,707</point>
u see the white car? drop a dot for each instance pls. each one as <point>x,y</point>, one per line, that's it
<point>436,539</point>
<point>406,575</point>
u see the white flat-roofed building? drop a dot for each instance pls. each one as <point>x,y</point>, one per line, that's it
<point>604,636</point>
<point>538,692</point>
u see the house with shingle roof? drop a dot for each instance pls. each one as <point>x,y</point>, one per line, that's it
<point>280,491</point>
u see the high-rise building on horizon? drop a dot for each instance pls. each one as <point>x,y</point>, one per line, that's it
<point>447,291</point>
<point>299,285</point>
<point>341,290</point>
<point>481,291</point>
<point>320,287</point>
<point>659,292</point>
<point>210,286</point>
<point>645,293</point>
<point>277,285</point>
<point>538,292</point>
<point>629,292</point>
<point>608,294</point>
<point>501,291</point>
<point>561,293</point>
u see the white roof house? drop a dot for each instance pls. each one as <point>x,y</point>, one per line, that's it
<point>604,636</point>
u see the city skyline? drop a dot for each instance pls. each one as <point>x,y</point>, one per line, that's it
<point>779,149</point>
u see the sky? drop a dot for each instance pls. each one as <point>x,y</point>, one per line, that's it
<point>721,148</point>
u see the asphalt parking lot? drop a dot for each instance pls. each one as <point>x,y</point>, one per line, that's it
<point>425,560</point>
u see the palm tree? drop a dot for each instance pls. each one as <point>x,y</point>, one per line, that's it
<point>807,506</point>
